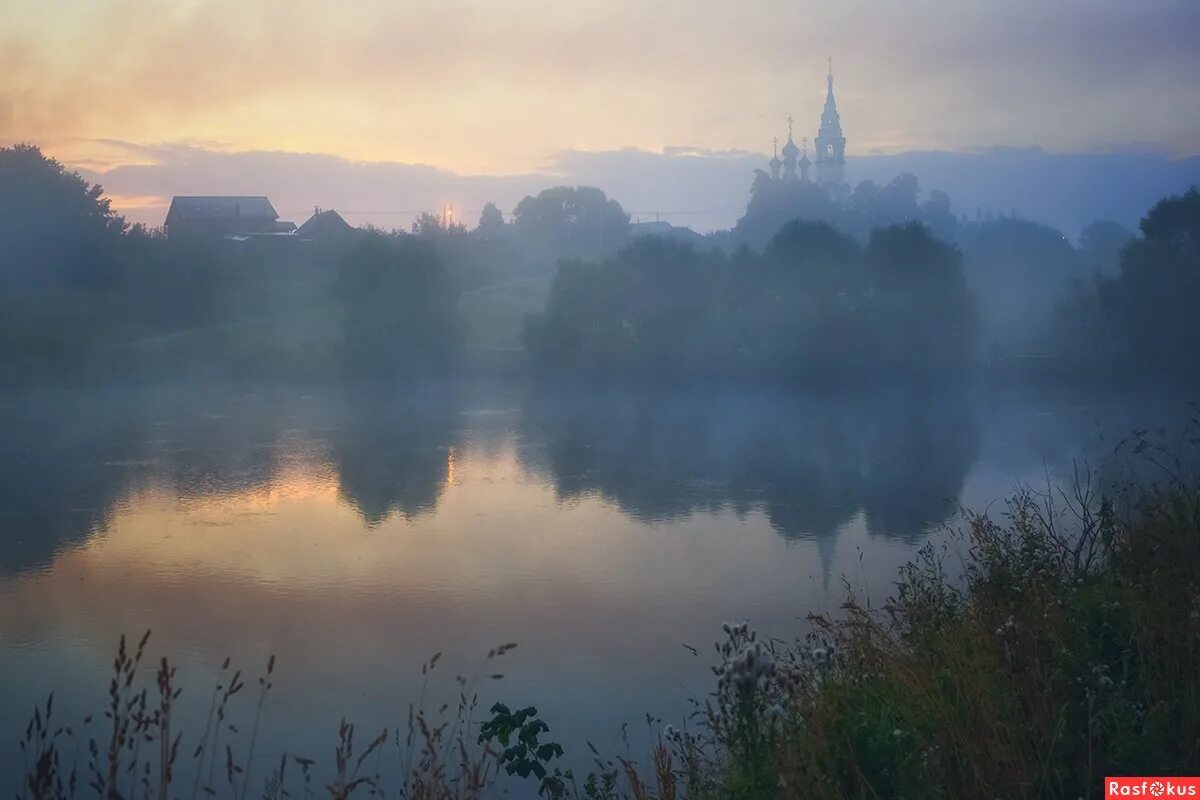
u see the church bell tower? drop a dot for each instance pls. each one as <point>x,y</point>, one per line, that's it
<point>830,143</point>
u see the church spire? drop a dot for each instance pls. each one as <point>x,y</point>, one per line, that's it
<point>830,143</point>
<point>775,162</point>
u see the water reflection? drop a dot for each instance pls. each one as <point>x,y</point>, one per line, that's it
<point>66,464</point>
<point>355,532</point>
<point>72,457</point>
<point>393,452</point>
<point>811,464</point>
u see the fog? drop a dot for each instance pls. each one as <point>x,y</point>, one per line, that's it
<point>400,334</point>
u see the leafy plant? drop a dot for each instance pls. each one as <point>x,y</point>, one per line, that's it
<point>524,753</point>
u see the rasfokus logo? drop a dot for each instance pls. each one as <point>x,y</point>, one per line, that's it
<point>1157,786</point>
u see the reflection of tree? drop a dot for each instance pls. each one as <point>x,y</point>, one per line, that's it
<point>809,464</point>
<point>219,442</point>
<point>920,451</point>
<point>69,457</point>
<point>805,468</point>
<point>392,451</point>
<point>65,465</point>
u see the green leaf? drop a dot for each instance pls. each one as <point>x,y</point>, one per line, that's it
<point>548,751</point>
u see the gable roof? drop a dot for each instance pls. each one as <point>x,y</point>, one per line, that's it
<point>217,207</point>
<point>655,228</point>
<point>324,224</point>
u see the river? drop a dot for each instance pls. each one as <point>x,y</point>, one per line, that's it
<point>353,532</point>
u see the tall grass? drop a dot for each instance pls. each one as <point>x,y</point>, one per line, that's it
<point>137,752</point>
<point>1026,655</point>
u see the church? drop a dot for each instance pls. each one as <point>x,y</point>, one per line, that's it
<point>800,186</point>
<point>830,152</point>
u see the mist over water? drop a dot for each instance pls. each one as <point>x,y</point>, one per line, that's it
<point>429,355</point>
<point>354,532</point>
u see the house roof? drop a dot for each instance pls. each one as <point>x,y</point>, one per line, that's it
<point>666,230</point>
<point>655,228</point>
<point>324,224</point>
<point>217,207</point>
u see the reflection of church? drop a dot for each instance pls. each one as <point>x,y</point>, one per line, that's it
<point>830,152</point>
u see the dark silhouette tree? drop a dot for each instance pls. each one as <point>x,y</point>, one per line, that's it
<point>924,318</point>
<point>1018,270</point>
<point>491,221</point>
<point>864,200</point>
<point>773,204</point>
<point>652,308</point>
<point>937,216</point>
<point>580,219</point>
<point>804,316</point>
<point>432,226</point>
<point>53,224</point>
<point>399,308</point>
<point>897,203</point>
<point>1152,299</point>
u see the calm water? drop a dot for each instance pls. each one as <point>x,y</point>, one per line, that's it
<point>355,533</point>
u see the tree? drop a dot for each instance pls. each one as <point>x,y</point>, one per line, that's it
<point>399,307</point>
<point>864,199</point>
<point>491,221</point>
<point>1152,300</point>
<point>807,318</point>
<point>897,201</point>
<point>653,309</point>
<point>773,204</point>
<point>1019,270</point>
<point>924,317</point>
<point>53,224</point>
<point>818,256</point>
<point>936,214</point>
<point>431,226</point>
<point>580,219</point>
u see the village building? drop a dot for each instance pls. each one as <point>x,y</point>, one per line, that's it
<point>223,218</point>
<point>326,226</point>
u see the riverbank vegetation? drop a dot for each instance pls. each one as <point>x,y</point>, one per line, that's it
<point>1029,653</point>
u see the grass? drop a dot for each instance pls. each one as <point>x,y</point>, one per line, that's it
<point>1027,655</point>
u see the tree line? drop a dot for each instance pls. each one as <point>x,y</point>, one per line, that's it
<point>881,284</point>
<point>815,304</point>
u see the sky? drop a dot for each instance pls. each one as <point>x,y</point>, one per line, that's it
<point>517,90</point>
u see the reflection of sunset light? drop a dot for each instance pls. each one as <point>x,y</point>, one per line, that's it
<point>290,486</point>
<point>296,529</point>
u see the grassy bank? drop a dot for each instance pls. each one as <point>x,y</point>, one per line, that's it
<point>1029,653</point>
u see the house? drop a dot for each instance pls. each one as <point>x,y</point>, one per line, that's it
<point>665,230</point>
<point>223,217</point>
<point>656,228</point>
<point>326,226</point>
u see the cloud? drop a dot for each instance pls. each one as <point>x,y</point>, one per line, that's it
<point>498,87</point>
